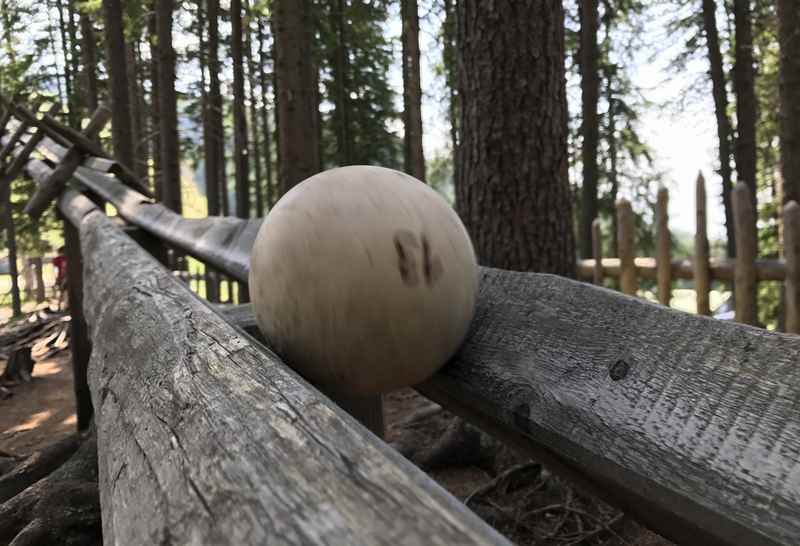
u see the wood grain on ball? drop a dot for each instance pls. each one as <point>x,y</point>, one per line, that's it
<point>363,279</point>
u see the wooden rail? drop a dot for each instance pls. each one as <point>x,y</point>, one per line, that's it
<point>204,435</point>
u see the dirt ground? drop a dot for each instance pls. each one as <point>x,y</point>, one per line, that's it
<point>517,496</point>
<point>39,412</point>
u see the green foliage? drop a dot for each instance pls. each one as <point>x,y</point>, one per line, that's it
<point>358,104</point>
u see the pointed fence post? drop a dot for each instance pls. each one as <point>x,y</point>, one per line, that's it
<point>625,237</point>
<point>663,255</point>
<point>597,252</point>
<point>791,239</point>
<point>702,270</point>
<point>744,215</point>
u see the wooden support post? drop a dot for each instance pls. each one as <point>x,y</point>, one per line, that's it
<point>7,114</point>
<point>702,276</point>
<point>663,252</point>
<point>212,284</point>
<point>147,241</point>
<point>51,188</point>
<point>791,238</point>
<point>744,215</point>
<point>79,337</point>
<point>625,238</point>
<point>368,410</point>
<point>597,252</point>
<point>11,235</point>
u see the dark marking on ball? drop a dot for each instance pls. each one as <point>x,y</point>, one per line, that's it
<point>406,263</point>
<point>431,265</point>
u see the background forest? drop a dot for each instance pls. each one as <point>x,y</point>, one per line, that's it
<point>222,106</point>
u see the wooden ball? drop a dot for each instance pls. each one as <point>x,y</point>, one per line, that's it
<point>363,279</point>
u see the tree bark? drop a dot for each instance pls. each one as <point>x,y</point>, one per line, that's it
<point>590,130</point>
<point>746,102</point>
<point>263,58</point>
<point>240,158</point>
<point>449,52</point>
<point>155,100</point>
<point>168,108</point>
<point>296,97</point>
<point>721,110</point>
<point>513,193</point>
<point>11,242</point>
<point>340,71</point>
<point>789,37</point>
<point>216,155</point>
<point>252,78</point>
<point>412,91</point>
<point>89,59</point>
<point>119,88</point>
<point>137,110</point>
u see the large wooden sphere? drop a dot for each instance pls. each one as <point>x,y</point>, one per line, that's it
<point>363,279</point>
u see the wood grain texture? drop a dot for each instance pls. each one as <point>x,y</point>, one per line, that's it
<point>206,438</point>
<point>744,214</point>
<point>689,424</point>
<point>702,273</point>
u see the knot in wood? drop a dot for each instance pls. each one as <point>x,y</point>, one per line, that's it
<point>619,370</point>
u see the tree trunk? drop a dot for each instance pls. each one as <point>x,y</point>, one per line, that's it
<point>721,111</point>
<point>412,91</point>
<point>137,110</point>
<point>590,130</point>
<point>40,293</point>
<point>11,242</point>
<point>63,23</point>
<point>789,36</point>
<point>340,70</point>
<point>155,100</point>
<point>119,88</point>
<point>168,108</point>
<point>746,105</point>
<point>263,58</point>
<point>513,193</point>
<point>74,57</point>
<point>296,97</point>
<point>216,183</point>
<point>89,59</point>
<point>449,53</point>
<point>252,77</point>
<point>240,158</point>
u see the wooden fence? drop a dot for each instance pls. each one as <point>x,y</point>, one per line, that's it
<point>205,436</point>
<point>744,272</point>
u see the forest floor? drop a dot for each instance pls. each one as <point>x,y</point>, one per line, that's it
<point>40,412</point>
<point>517,496</point>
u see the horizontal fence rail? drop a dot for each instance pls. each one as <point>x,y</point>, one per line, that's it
<point>688,423</point>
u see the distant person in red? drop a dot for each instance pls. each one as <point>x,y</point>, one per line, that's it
<point>60,263</point>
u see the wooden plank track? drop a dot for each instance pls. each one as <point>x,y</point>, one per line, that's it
<point>204,436</point>
<point>688,423</point>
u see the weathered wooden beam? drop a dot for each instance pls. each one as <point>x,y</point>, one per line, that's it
<point>688,430</point>
<point>29,117</point>
<point>204,436</point>
<point>721,269</point>
<point>84,143</point>
<point>12,142</point>
<point>51,188</point>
